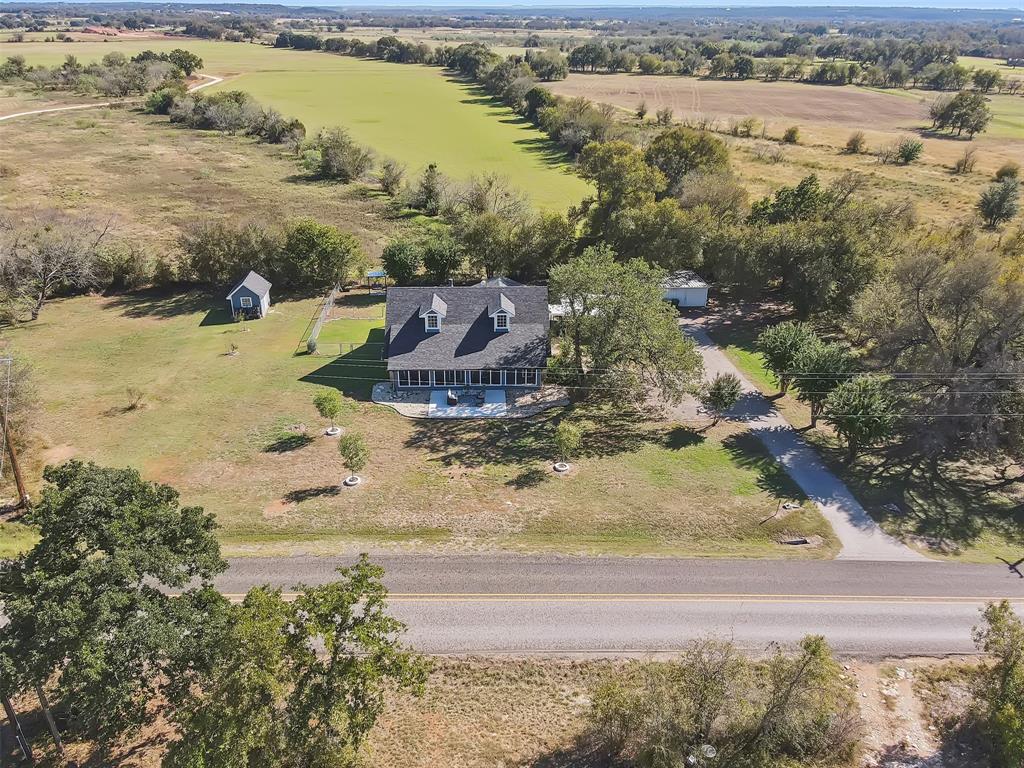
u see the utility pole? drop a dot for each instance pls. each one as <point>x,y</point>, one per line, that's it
<point>19,735</point>
<point>23,499</point>
<point>45,704</point>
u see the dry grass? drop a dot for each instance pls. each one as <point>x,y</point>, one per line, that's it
<point>826,116</point>
<point>154,178</point>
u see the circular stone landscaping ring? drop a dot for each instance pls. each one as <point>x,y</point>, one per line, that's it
<point>561,467</point>
<point>332,431</point>
<point>351,481</point>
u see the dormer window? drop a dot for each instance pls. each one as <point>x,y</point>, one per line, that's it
<point>502,310</point>
<point>432,314</point>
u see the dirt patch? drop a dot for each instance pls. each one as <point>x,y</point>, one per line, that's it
<point>278,508</point>
<point>802,102</point>
<point>59,453</point>
<point>897,733</point>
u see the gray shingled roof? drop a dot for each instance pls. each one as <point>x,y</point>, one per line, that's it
<point>255,283</point>
<point>501,301</point>
<point>467,339</point>
<point>436,305</point>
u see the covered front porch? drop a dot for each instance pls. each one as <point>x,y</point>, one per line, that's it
<point>470,402</point>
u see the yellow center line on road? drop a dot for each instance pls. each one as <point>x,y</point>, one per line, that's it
<point>666,597</point>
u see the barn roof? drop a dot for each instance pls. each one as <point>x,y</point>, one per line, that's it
<point>255,283</point>
<point>467,339</point>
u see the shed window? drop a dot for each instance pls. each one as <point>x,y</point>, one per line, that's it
<point>245,302</point>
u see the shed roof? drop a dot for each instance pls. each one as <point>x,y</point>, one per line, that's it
<point>684,278</point>
<point>255,283</point>
<point>467,339</point>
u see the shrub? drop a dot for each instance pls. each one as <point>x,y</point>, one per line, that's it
<point>391,177</point>
<point>792,135</point>
<point>721,394</point>
<point>1008,170</point>
<point>966,162</point>
<point>160,102</point>
<point>311,345</point>
<point>568,440</point>
<point>908,150</point>
<point>664,116</point>
<point>856,144</point>
<point>341,158</point>
<point>999,202</point>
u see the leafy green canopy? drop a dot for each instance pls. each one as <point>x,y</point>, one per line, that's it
<point>86,601</point>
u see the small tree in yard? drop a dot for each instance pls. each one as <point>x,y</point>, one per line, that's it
<point>999,202</point>
<point>779,346</point>
<point>821,368</point>
<point>999,688</point>
<point>861,411</point>
<point>568,440</point>
<point>721,394</point>
<point>354,453</point>
<point>329,405</point>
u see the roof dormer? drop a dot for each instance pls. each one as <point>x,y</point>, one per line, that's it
<point>433,313</point>
<point>501,310</point>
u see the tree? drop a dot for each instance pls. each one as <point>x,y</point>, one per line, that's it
<point>549,65</point>
<point>820,368</point>
<point>329,404</point>
<point>622,178</point>
<point>861,411</point>
<point>999,686</point>
<point>986,80</point>
<point>89,606</point>
<point>780,346</point>
<point>402,260</point>
<point>317,255</point>
<point>428,195</point>
<point>999,202</point>
<point>721,394</point>
<point>680,151</point>
<point>620,338</point>
<point>568,440</point>
<point>442,258</point>
<point>297,685</point>
<point>353,451</point>
<point>184,60</point>
<point>46,252</point>
<point>967,111</point>
<point>340,157</point>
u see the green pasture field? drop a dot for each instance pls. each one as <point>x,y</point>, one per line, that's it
<point>414,114</point>
<point>238,434</point>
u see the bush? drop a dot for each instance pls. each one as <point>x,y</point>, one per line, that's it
<point>999,202</point>
<point>909,150</point>
<point>792,135</point>
<point>856,144</point>
<point>402,260</point>
<point>160,102</point>
<point>568,440</point>
<point>340,157</point>
<point>966,162</point>
<point>1008,170</point>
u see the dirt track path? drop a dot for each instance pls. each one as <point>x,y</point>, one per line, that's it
<point>210,80</point>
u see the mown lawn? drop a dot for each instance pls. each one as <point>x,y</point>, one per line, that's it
<point>414,114</point>
<point>944,516</point>
<point>238,435</point>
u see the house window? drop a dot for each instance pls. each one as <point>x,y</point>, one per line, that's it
<point>414,378</point>
<point>245,302</point>
<point>491,378</point>
<point>444,378</point>
<point>473,378</point>
<point>501,322</point>
<point>433,322</point>
<point>460,377</point>
<point>525,377</point>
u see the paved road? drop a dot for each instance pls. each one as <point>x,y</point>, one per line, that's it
<point>499,603</point>
<point>860,537</point>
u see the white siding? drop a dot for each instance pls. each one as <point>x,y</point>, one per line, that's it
<point>688,297</point>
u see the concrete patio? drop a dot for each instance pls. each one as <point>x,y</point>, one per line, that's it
<point>474,402</point>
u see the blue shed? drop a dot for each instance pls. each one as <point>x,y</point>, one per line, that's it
<point>251,297</point>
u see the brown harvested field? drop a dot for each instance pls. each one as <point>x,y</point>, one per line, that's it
<point>724,99</point>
